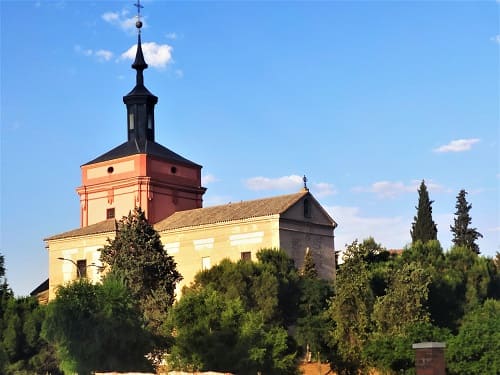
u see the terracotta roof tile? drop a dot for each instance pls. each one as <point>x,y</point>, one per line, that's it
<point>229,212</point>
<point>100,227</point>
<point>201,216</point>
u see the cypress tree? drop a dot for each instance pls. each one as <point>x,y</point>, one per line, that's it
<point>462,234</point>
<point>137,255</point>
<point>309,269</point>
<point>423,227</point>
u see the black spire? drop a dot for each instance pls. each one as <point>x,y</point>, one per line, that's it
<point>140,102</point>
<point>139,63</point>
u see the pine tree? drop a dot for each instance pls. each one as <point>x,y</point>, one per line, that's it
<point>137,254</point>
<point>423,227</point>
<point>462,234</point>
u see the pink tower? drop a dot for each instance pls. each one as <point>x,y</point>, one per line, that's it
<point>139,172</point>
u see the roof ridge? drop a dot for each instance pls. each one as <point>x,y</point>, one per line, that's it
<point>229,212</point>
<point>103,226</point>
<point>257,199</point>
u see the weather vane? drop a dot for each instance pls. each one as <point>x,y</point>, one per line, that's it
<point>138,23</point>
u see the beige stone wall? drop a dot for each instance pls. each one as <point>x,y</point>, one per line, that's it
<point>297,238</point>
<point>197,247</point>
<point>314,232</point>
<point>63,271</point>
<point>208,245</point>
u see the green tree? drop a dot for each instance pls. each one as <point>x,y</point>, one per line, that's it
<point>423,227</point>
<point>280,265</point>
<point>97,327</point>
<point>314,324</point>
<point>351,310</point>
<point>309,268</point>
<point>22,350</point>
<point>405,301</point>
<point>462,282</point>
<point>462,234</point>
<point>475,350</point>
<point>218,334</point>
<point>393,353</point>
<point>137,254</point>
<point>270,285</point>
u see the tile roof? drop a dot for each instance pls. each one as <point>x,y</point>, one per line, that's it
<point>100,227</point>
<point>230,212</point>
<point>144,147</point>
<point>202,216</point>
<point>40,288</point>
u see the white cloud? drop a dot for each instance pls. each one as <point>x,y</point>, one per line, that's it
<point>323,189</point>
<point>179,73</point>
<point>391,232</point>
<point>100,55</point>
<point>289,183</point>
<point>171,36</point>
<point>392,189</point>
<point>457,145</point>
<point>496,39</point>
<point>292,182</point>
<point>386,189</point>
<point>110,17</point>
<point>104,55</point>
<point>208,179</point>
<point>122,20</point>
<point>156,55</point>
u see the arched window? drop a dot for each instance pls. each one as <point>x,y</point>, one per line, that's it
<point>307,208</point>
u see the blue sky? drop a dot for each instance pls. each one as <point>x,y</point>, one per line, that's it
<point>365,98</point>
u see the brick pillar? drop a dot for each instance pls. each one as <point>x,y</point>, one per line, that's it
<point>429,358</point>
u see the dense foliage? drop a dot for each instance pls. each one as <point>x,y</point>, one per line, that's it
<point>476,350</point>
<point>236,316</point>
<point>137,254</point>
<point>428,296</point>
<point>248,317</point>
<point>97,327</point>
<point>215,333</point>
<point>423,228</point>
<point>462,234</point>
<point>22,350</point>
<point>238,311</point>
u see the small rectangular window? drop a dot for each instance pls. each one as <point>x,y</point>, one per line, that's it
<point>150,121</point>
<point>81,268</point>
<point>246,255</point>
<point>131,121</point>
<point>205,263</point>
<point>110,213</point>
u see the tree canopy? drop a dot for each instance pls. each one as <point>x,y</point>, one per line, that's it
<point>351,309</point>
<point>423,228</point>
<point>476,350</point>
<point>234,317</point>
<point>463,235</point>
<point>97,327</point>
<point>137,254</point>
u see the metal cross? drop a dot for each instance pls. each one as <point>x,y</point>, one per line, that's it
<point>139,7</point>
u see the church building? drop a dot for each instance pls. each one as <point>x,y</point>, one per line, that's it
<point>142,173</point>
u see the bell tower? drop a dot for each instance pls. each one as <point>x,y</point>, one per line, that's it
<point>139,172</point>
<point>140,102</point>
